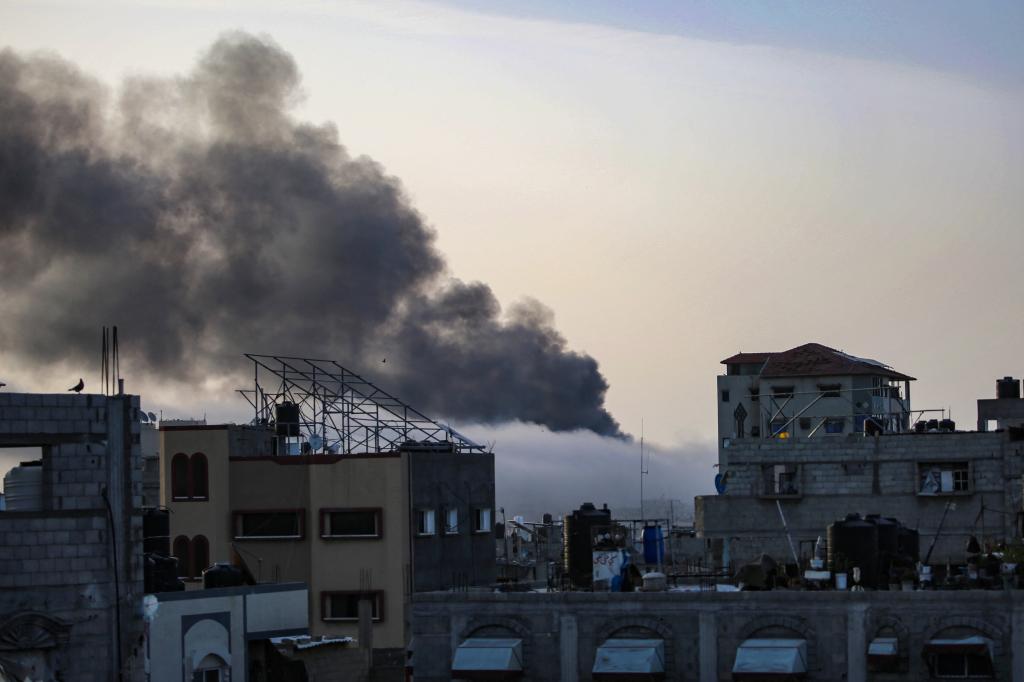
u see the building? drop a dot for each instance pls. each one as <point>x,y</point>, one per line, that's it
<point>223,633</point>
<point>715,636</point>
<point>366,525</point>
<point>811,434</point>
<point>71,574</point>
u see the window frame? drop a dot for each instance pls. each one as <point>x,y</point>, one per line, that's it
<point>422,512</point>
<point>193,479</point>
<point>197,569</point>
<point>963,467</point>
<point>236,528</point>
<point>327,532</point>
<point>477,514</point>
<point>325,600</point>
<point>184,562</point>
<point>180,480</point>
<point>770,487</point>
<point>450,529</point>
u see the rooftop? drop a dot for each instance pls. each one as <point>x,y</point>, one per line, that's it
<point>813,360</point>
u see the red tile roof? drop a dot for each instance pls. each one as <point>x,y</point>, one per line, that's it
<point>815,360</point>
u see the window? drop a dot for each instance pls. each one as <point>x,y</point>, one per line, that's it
<point>835,425</point>
<point>182,552</point>
<point>830,390</point>
<point>189,477</point>
<point>725,396</point>
<point>944,478</point>
<point>270,525</point>
<point>198,477</point>
<point>781,480</point>
<point>193,556</point>
<point>350,523</point>
<point>959,666</point>
<point>740,415</point>
<point>481,520</point>
<point>805,423</point>
<point>200,555</point>
<point>782,391</point>
<point>780,428</point>
<point>755,394</point>
<point>179,476</point>
<point>425,522</point>
<point>451,521</point>
<point>345,605</point>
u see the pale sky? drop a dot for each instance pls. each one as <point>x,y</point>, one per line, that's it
<point>678,182</point>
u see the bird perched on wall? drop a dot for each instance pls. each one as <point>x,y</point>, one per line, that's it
<point>77,388</point>
<point>2,384</point>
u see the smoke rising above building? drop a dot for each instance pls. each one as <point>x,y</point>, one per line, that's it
<point>197,214</point>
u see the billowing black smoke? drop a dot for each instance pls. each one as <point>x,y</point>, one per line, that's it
<point>200,217</point>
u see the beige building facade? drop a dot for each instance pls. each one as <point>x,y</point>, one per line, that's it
<point>340,523</point>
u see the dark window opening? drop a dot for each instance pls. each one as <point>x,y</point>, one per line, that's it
<point>345,605</point>
<point>277,525</point>
<point>834,425</point>
<point>482,520</point>
<point>200,555</point>
<point>755,395</point>
<point>179,476</point>
<point>725,396</point>
<point>780,479</point>
<point>181,549</point>
<point>199,478</point>
<point>782,391</point>
<point>351,523</point>
<point>830,390</point>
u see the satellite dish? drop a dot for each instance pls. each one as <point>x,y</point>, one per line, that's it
<point>143,418</point>
<point>152,417</point>
<point>315,442</point>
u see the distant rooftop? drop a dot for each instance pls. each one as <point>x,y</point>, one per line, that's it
<point>813,360</point>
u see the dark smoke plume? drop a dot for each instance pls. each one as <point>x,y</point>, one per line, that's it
<point>205,221</point>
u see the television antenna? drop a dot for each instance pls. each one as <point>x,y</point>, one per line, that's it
<point>644,470</point>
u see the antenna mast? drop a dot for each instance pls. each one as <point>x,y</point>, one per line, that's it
<point>643,472</point>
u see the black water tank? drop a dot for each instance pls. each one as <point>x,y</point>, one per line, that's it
<point>933,424</point>
<point>872,427</point>
<point>909,544</point>
<point>222,575</point>
<point>947,425</point>
<point>920,427</point>
<point>857,540</point>
<point>287,416</point>
<point>548,519</point>
<point>1007,387</point>
<point>160,574</point>
<point>577,542</point>
<point>156,531</point>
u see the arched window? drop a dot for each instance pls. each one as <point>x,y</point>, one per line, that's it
<point>200,555</point>
<point>179,477</point>
<point>182,552</point>
<point>200,484</point>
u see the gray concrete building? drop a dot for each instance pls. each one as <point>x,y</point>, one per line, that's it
<point>71,574</point>
<point>793,443</point>
<point>853,636</point>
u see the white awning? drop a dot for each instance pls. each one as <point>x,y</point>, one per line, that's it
<point>965,645</point>
<point>884,646</point>
<point>479,655</point>
<point>771,656</point>
<point>640,656</point>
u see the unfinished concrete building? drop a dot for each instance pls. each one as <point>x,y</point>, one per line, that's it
<point>71,574</point>
<point>813,434</point>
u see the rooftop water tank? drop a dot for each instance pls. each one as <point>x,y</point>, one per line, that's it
<point>287,416</point>
<point>856,540</point>
<point>23,487</point>
<point>1007,387</point>
<point>156,531</point>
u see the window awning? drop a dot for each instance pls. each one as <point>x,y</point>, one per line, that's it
<point>485,658</point>
<point>981,646</point>
<point>783,657</point>
<point>619,656</point>
<point>884,647</point>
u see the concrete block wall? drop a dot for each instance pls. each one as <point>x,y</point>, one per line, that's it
<point>702,631</point>
<point>57,564</point>
<point>856,474</point>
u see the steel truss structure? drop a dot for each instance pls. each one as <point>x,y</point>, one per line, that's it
<point>339,411</point>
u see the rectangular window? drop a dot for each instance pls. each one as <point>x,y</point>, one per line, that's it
<point>834,425</point>
<point>780,428</point>
<point>451,522</point>
<point>425,522</point>
<point>350,523</point>
<point>830,390</point>
<point>960,666</point>
<point>725,396</point>
<point>805,423</point>
<point>270,525</point>
<point>781,480</point>
<point>944,478</point>
<point>755,394</point>
<point>481,520</point>
<point>782,392</point>
<point>345,605</point>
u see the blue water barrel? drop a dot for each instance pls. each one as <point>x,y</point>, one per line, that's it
<point>654,545</point>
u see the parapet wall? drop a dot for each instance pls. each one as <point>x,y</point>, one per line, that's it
<point>562,631</point>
